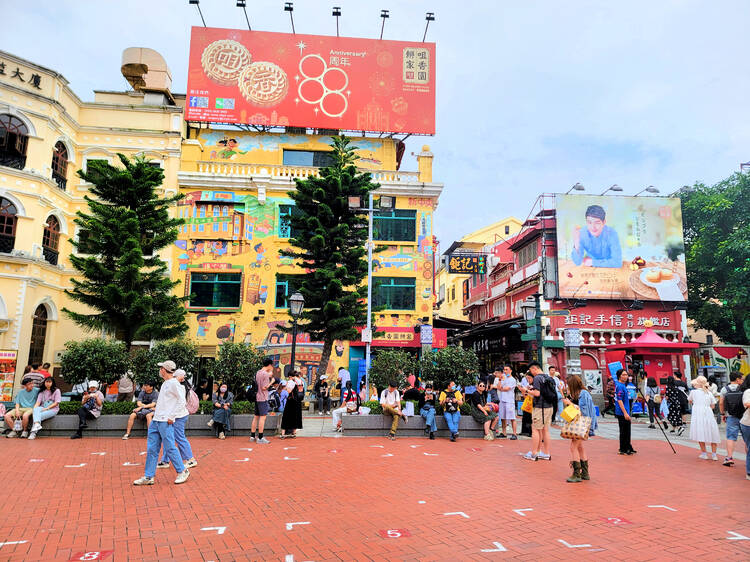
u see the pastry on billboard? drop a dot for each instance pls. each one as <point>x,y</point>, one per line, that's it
<point>263,84</point>
<point>223,60</point>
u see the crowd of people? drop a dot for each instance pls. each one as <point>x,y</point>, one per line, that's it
<point>548,399</point>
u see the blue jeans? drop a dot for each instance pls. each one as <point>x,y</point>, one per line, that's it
<point>745,429</point>
<point>40,414</point>
<point>158,433</point>
<point>183,445</point>
<point>428,413</point>
<point>452,419</point>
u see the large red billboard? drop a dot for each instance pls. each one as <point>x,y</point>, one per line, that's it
<point>264,78</point>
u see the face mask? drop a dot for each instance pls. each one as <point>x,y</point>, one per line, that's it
<point>223,389</point>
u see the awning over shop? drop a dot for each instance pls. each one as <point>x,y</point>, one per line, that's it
<point>651,342</point>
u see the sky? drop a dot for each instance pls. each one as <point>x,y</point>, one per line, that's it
<point>532,96</point>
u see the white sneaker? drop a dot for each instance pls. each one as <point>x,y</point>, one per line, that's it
<point>210,423</point>
<point>530,456</point>
<point>543,457</point>
<point>263,441</point>
<point>12,434</point>
<point>252,438</point>
<point>182,476</point>
<point>191,463</point>
<point>32,435</point>
<point>714,457</point>
<point>126,437</point>
<point>221,435</point>
<point>36,427</point>
<point>143,481</point>
<point>24,435</point>
<point>703,456</point>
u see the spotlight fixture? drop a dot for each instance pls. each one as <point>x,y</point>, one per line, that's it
<point>385,14</point>
<point>196,3</point>
<point>576,187</point>
<point>336,13</point>
<point>430,16</point>
<point>289,7</point>
<point>649,189</point>
<point>614,187</point>
<point>243,4</point>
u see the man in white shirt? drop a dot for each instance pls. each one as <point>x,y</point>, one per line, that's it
<point>390,399</point>
<point>507,388</point>
<point>169,406</point>
<point>344,376</point>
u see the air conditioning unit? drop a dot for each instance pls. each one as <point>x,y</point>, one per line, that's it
<point>492,261</point>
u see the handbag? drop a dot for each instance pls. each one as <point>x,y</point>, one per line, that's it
<point>17,425</point>
<point>577,429</point>
<point>570,413</point>
<point>657,398</point>
<point>528,405</point>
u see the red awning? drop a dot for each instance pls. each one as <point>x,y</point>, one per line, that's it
<point>728,352</point>
<point>651,341</point>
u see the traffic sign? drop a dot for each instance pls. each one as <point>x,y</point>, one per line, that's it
<point>555,312</point>
<point>528,337</point>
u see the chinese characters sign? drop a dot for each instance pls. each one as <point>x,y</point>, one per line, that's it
<point>264,78</point>
<point>617,320</point>
<point>465,263</point>
<point>17,75</point>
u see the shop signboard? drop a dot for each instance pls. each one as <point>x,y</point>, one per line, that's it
<point>8,360</point>
<point>283,79</point>
<point>467,264</point>
<point>620,248</point>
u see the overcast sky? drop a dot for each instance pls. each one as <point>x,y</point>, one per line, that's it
<point>532,96</point>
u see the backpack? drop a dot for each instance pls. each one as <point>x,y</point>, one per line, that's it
<point>548,390</point>
<point>733,403</point>
<point>192,402</point>
<point>274,401</point>
<point>252,390</point>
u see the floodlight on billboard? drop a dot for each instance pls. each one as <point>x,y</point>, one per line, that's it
<point>281,79</point>
<point>620,248</point>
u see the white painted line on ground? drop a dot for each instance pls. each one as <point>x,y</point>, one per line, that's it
<point>219,530</point>
<point>574,545</point>
<point>377,447</point>
<point>387,455</point>
<point>75,465</point>
<point>289,448</point>
<point>519,511</point>
<point>498,548</point>
<point>737,537</point>
<point>414,446</point>
<point>664,506</point>
<point>421,501</point>
<point>130,463</point>
<point>101,454</point>
<point>246,459</point>
<point>291,458</point>
<point>430,454</point>
<point>461,513</point>
<point>245,449</point>
<point>142,453</point>
<point>12,542</point>
<point>36,460</point>
<point>290,525</point>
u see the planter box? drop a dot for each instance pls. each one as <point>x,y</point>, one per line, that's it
<point>379,425</point>
<point>114,426</point>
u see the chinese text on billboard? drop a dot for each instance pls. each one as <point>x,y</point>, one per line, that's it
<point>461,263</point>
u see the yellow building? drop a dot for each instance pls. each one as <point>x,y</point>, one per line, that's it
<point>236,206</point>
<point>46,134</point>
<point>448,286</point>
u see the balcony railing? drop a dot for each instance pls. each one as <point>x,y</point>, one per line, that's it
<point>7,243</point>
<point>50,255</point>
<point>12,161</point>
<point>59,180</point>
<point>290,172</point>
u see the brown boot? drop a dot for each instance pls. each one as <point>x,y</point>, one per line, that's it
<point>576,476</point>
<point>585,470</point>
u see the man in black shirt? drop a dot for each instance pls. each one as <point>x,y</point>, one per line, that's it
<point>427,409</point>
<point>323,394</point>
<point>481,413</point>
<point>541,416</point>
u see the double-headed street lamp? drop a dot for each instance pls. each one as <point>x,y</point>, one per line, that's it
<point>296,305</point>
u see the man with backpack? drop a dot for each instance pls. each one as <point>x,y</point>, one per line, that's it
<point>732,409</point>
<point>544,393</point>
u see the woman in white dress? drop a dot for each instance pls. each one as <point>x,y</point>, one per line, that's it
<point>703,428</point>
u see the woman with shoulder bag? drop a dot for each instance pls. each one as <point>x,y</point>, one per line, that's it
<point>291,419</point>
<point>653,397</point>
<point>582,400</point>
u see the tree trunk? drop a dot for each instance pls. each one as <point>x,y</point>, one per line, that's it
<point>325,356</point>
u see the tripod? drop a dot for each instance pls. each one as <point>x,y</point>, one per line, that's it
<point>658,422</point>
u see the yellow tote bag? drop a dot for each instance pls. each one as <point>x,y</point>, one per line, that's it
<point>570,413</point>
<point>528,404</point>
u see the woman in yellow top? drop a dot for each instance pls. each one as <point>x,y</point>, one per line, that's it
<point>451,399</point>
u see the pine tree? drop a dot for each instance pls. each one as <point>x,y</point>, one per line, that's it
<point>329,241</point>
<point>123,279</point>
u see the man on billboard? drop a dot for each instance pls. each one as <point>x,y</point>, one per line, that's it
<point>598,245</point>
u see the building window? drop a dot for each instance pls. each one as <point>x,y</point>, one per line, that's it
<point>60,165</point>
<point>38,335</point>
<point>8,222</point>
<point>317,158</point>
<point>507,229</point>
<point>453,292</point>
<point>394,293</point>
<point>215,290</point>
<point>527,254</point>
<point>285,228</point>
<point>14,138</point>
<point>396,225</point>
<point>286,286</point>
<point>51,240</point>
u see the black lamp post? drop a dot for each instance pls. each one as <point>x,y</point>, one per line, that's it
<point>296,304</point>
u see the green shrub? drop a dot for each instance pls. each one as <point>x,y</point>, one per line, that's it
<point>239,407</point>
<point>94,359</point>
<point>236,365</point>
<point>69,408</point>
<point>118,408</point>
<point>375,407</point>
<point>391,365</point>
<point>451,363</point>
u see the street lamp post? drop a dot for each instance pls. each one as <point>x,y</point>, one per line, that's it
<point>533,317</point>
<point>296,304</point>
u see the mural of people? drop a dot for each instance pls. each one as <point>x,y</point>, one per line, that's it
<point>260,252</point>
<point>225,333</point>
<point>339,347</point>
<point>203,325</point>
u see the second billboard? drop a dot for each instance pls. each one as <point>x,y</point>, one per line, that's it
<point>280,79</point>
<point>620,247</point>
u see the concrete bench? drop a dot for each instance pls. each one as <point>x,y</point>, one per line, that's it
<point>379,425</point>
<point>114,426</point>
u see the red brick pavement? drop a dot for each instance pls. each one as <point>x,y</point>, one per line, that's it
<point>352,497</point>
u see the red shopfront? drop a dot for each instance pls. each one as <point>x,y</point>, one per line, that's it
<point>603,324</point>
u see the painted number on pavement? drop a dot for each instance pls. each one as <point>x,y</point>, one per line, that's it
<point>394,533</point>
<point>93,555</point>
<point>616,520</point>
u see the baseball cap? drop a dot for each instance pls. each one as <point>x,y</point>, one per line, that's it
<point>323,377</point>
<point>169,366</point>
<point>180,373</point>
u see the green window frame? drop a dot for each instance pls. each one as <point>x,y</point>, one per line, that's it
<point>394,293</point>
<point>210,290</point>
<point>395,225</point>
<point>286,286</point>
<point>285,213</point>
